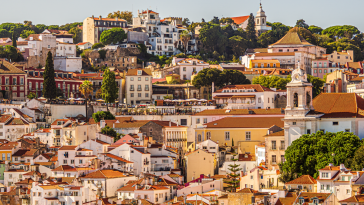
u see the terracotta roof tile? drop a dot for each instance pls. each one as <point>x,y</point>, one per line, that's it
<point>275,111</point>
<point>240,19</point>
<point>68,147</point>
<point>304,179</point>
<point>105,173</point>
<point>292,38</point>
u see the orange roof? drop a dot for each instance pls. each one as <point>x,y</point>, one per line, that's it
<point>339,105</point>
<point>117,158</point>
<point>105,173</point>
<point>240,19</point>
<point>304,179</point>
<point>354,199</point>
<point>67,148</point>
<point>246,122</point>
<point>64,168</point>
<point>59,120</point>
<point>149,11</point>
<point>292,38</point>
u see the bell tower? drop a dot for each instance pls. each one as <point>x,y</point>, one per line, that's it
<point>299,103</point>
<point>260,20</point>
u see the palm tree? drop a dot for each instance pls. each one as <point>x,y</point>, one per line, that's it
<point>185,37</point>
<point>86,89</point>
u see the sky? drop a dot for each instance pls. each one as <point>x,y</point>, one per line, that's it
<point>323,13</point>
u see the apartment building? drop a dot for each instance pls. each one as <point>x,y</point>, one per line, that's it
<point>93,27</point>
<point>138,88</point>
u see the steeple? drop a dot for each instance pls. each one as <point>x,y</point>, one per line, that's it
<point>260,21</point>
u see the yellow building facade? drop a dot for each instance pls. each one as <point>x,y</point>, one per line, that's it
<point>200,162</point>
<point>264,64</point>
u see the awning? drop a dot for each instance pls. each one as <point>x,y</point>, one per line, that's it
<point>223,96</point>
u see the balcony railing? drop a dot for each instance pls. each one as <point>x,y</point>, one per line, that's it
<point>282,148</point>
<point>273,148</point>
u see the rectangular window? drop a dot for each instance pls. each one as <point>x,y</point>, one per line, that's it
<point>139,87</point>
<point>294,123</point>
<point>347,130</point>
<point>248,136</point>
<point>274,159</point>
<point>308,131</point>
<point>205,120</point>
<point>327,187</point>
<point>227,135</point>
<point>335,123</point>
<point>139,95</point>
<point>184,122</point>
<point>208,135</point>
<point>282,158</point>
<point>146,87</point>
<point>274,145</point>
<point>197,120</point>
<point>322,187</point>
<point>147,95</point>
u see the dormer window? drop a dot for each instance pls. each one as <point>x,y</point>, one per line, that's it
<point>139,72</point>
<point>324,175</point>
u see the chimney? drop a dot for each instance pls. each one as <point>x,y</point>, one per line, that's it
<point>100,18</point>
<point>93,16</point>
<point>342,166</point>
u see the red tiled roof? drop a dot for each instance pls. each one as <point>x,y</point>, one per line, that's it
<point>105,173</point>
<point>304,179</point>
<point>117,158</point>
<point>64,168</point>
<point>240,19</point>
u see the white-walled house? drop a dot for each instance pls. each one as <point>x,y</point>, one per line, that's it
<point>141,159</point>
<point>106,181</point>
<point>191,66</point>
<point>251,96</point>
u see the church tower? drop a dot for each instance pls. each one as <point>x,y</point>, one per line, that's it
<point>299,103</point>
<point>261,21</point>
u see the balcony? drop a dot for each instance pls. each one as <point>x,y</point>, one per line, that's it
<point>273,148</point>
<point>131,89</point>
<point>146,163</point>
<point>282,148</point>
<point>158,169</point>
<point>139,89</point>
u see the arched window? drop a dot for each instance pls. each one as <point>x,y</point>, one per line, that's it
<point>295,100</point>
<point>308,99</point>
<point>262,20</point>
<point>199,138</point>
<point>257,21</point>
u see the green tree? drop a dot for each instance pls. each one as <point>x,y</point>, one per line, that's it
<point>31,95</point>
<point>26,33</point>
<point>233,181</point>
<point>126,15</point>
<point>102,53</point>
<point>40,28</point>
<point>86,89</point>
<point>212,38</point>
<point>49,83</point>
<point>14,40</point>
<point>12,53</point>
<point>251,33</point>
<point>302,23</point>
<point>233,77</point>
<point>215,20</point>
<point>4,33</point>
<point>206,77</point>
<point>226,20</point>
<point>357,162</point>
<point>338,32</point>
<point>272,81</point>
<point>186,22</point>
<point>53,27</point>
<point>110,132</point>
<point>114,35</point>
<point>185,37</point>
<point>315,29</point>
<point>109,87</point>
<point>102,115</point>
<point>238,45</point>
<point>69,26</point>
<point>309,153</point>
<point>97,45</point>
<point>317,84</point>
<point>77,34</point>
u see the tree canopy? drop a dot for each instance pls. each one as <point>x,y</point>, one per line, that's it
<point>77,35</point>
<point>110,132</point>
<point>114,35</point>
<point>49,83</point>
<point>309,153</point>
<point>102,115</point>
<point>109,87</point>
<point>11,53</point>
<point>126,15</point>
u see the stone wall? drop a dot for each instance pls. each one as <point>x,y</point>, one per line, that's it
<point>157,131</point>
<point>35,61</point>
<point>280,102</point>
<point>240,198</point>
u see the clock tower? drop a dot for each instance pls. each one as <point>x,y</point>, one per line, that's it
<point>299,103</point>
